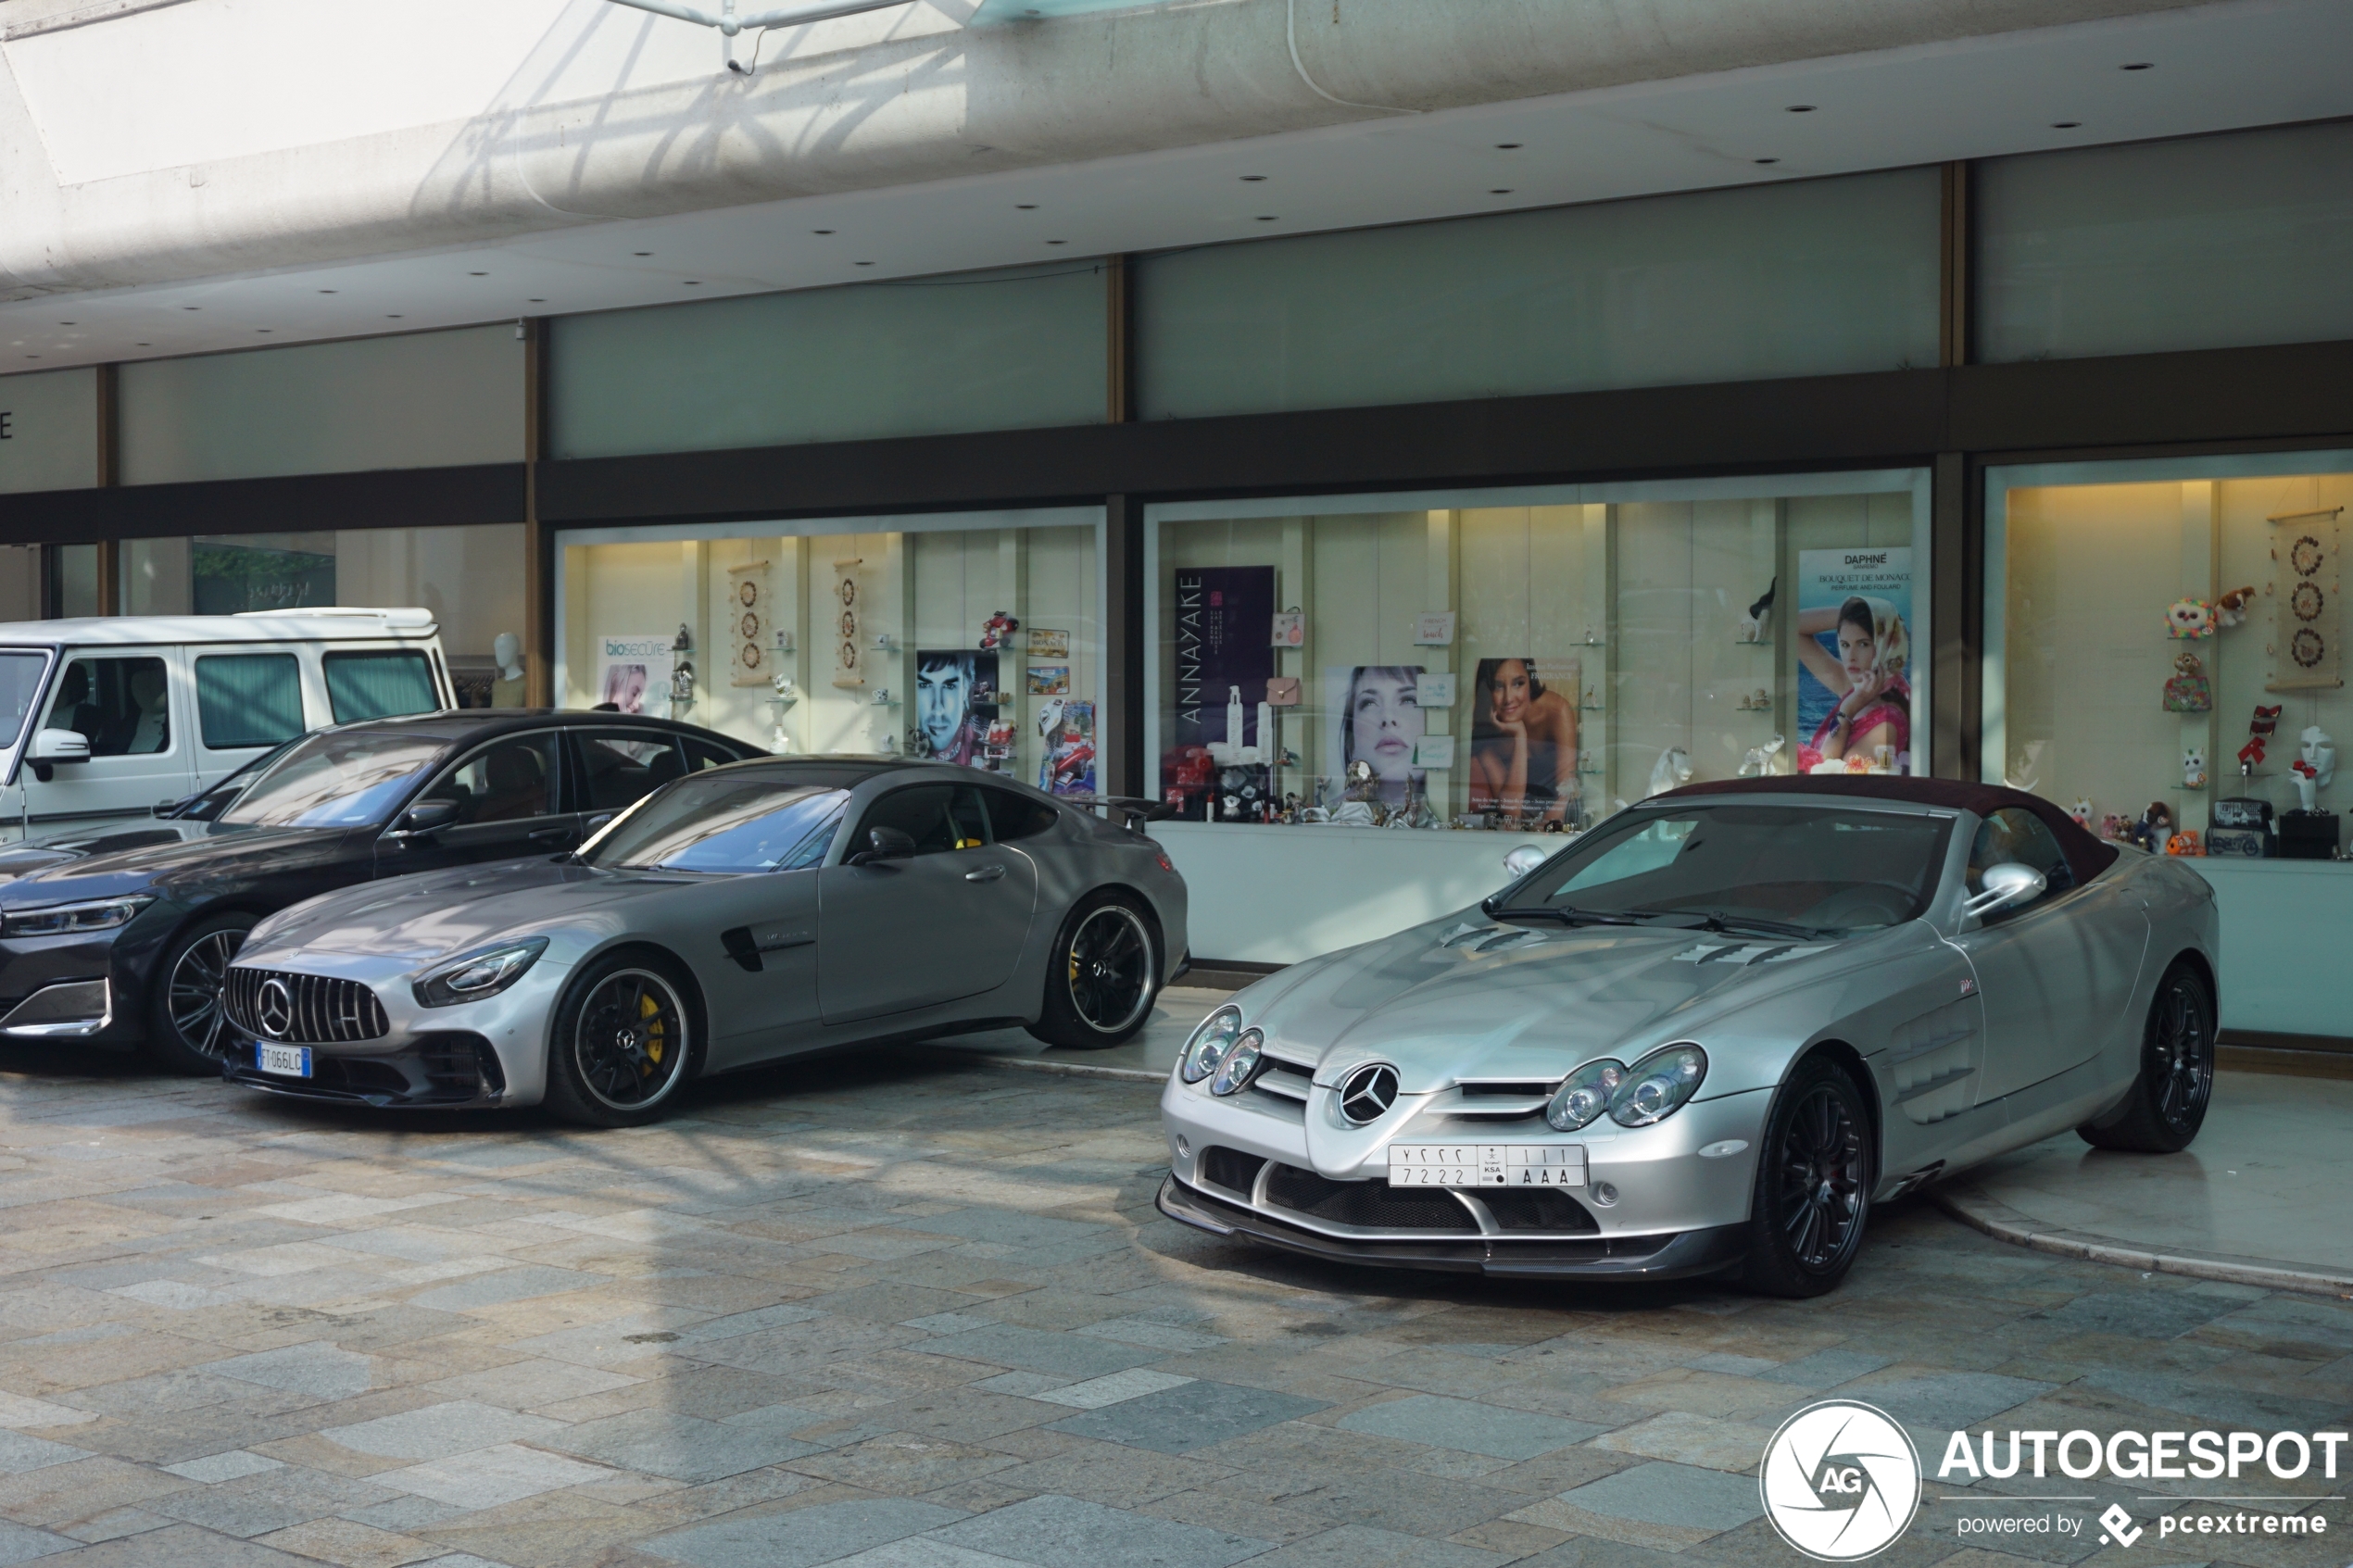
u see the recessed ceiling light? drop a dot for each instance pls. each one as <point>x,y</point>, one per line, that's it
<point>2067,125</point>
<point>392,317</point>
<point>143,346</point>
<point>326,291</point>
<point>192,308</point>
<point>862,264</point>
<point>1507,147</point>
<point>2139,65</point>
<point>66,323</point>
<point>477,275</point>
<point>263,331</point>
<point>1801,109</point>
<point>33,355</point>
<point>1769,160</point>
<point>1253,178</point>
<point>535,299</point>
<point>1268,218</point>
<point>693,283</point>
<point>1025,206</point>
<point>821,231</point>
<point>1058,242</point>
<point>1500,191</point>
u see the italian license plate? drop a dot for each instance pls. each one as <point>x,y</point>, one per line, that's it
<point>286,1061</point>
<point>1486,1165</point>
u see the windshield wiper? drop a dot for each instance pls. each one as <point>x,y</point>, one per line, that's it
<point>1565,915</point>
<point>1716,920</point>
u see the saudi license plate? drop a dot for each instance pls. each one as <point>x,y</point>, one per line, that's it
<point>1486,1165</point>
<point>286,1061</point>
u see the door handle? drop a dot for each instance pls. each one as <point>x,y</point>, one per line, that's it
<point>545,834</point>
<point>985,873</point>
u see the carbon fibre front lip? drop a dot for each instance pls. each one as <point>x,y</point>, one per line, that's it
<point>1680,1256</point>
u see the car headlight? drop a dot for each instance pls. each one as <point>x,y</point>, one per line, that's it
<point>1235,1071</point>
<point>1585,1095</point>
<point>1657,1087</point>
<point>1210,1043</point>
<point>477,976</point>
<point>64,919</point>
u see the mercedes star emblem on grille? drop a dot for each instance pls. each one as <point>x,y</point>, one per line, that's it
<point>1367,1094</point>
<point>276,1006</point>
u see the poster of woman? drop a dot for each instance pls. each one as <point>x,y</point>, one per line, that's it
<point>1854,660</point>
<point>1372,716</point>
<point>951,722</point>
<point>632,671</point>
<point>1523,749</point>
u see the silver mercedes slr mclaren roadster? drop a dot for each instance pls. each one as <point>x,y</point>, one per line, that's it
<point>731,918</point>
<point>1705,1038</point>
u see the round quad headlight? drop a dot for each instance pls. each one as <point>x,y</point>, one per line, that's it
<point>1657,1087</point>
<point>1210,1043</point>
<point>1585,1095</point>
<point>1235,1071</point>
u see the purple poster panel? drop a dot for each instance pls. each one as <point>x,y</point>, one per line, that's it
<point>1225,616</point>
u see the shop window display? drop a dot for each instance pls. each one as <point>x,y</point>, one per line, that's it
<point>2163,648</point>
<point>973,639</point>
<point>1461,662</point>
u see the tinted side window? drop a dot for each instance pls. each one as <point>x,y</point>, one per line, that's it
<point>2015,834</point>
<point>1016,816</point>
<point>379,683</point>
<point>248,699</point>
<point>504,781</point>
<point>121,705</point>
<point>622,767</point>
<point>922,813</point>
<point>701,754</point>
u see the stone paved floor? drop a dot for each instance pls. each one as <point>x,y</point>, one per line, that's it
<point>919,1312</point>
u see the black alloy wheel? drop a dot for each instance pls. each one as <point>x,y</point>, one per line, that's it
<point>2166,1106</point>
<point>187,1030</point>
<point>629,1043</point>
<point>1102,977</point>
<point>1813,1184</point>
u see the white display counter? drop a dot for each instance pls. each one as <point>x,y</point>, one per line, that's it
<point>1277,894</point>
<point>2288,944</point>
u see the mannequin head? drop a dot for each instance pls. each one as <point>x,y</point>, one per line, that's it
<point>506,650</point>
<point>2319,750</point>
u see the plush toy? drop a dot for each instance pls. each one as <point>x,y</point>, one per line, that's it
<point>996,631</point>
<point>2081,812</point>
<point>2194,767</point>
<point>2185,843</point>
<point>2187,691</point>
<point>2231,608</point>
<point>2155,828</point>
<point>2189,618</point>
<point>2116,829</point>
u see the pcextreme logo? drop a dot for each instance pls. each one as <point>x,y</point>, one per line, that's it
<point>1841,1481</point>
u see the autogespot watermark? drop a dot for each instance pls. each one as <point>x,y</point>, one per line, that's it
<point>1841,1481</point>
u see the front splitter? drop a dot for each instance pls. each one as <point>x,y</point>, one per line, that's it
<point>1680,1256</point>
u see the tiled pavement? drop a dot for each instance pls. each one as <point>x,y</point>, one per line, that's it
<point>919,1312</point>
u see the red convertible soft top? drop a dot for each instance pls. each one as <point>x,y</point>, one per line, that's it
<point>2087,856</point>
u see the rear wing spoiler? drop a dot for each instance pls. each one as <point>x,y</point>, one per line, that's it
<point>1130,811</point>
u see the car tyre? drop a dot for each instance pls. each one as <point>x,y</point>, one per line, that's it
<point>1814,1176</point>
<point>2166,1105</point>
<point>1102,977</point>
<point>622,1041</point>
<point>186,1029</point>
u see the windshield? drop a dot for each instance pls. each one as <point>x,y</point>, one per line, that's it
<point>333,781</point>
<point>1798,869</point>
<point>725,823</point>
<point>20,684</point>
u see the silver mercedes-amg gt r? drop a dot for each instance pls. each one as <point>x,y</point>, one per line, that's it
<point>1707,1037</point>
<point>731,918</point>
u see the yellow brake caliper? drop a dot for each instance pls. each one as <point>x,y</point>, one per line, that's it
<point>646,1008</point>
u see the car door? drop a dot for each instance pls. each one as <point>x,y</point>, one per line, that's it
<point>133,708</point>
<point>508,794</point>
<point>944,923</point>
<point>2054,974</point>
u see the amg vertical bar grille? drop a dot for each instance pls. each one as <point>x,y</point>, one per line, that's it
<point>321,1009</point>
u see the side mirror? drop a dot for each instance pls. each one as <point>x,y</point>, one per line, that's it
<point>2006,886</point>
<point>884,844</point>
<point>1523,859</point>
<point>424,817</point>
<point>60,745</point>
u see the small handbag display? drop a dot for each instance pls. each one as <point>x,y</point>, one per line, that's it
<point>1282,691</point>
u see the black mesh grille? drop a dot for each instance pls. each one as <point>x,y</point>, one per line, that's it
<point>1230,1169</point>
<point>1536,1209</point>
<point>324,1012</point>
<point>1374,1205</point>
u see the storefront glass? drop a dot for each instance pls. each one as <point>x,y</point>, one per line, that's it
<point>1533,661</point>
<point>471,578</point>
<point>971,637</point>
<point>2162,640</point>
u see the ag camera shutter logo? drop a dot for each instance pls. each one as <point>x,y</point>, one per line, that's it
<point>1841,1481</point>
